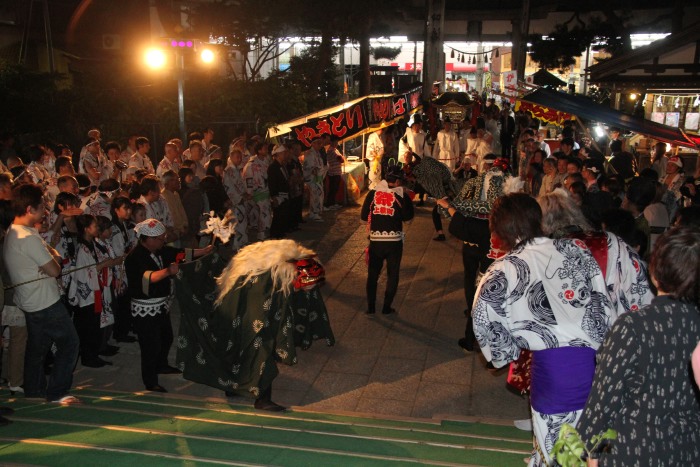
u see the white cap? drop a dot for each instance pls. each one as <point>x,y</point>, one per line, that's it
<point>150,228</point>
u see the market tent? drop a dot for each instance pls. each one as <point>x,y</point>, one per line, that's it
<point>351,119</point>
<point>586,109</point>
<point>281,129</point>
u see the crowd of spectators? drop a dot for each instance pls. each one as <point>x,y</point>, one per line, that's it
<point>73,217</point>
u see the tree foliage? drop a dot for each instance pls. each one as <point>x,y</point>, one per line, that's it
<point>385,52</point>
<point>121,104</point>
<point>252,27</point>
<point>30,99</point>
<point>317,94</point>
<point>561,46</point>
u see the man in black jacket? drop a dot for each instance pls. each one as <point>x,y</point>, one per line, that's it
<point>470,224</point>
<point>385,209</point>
<point>278,182</point>
<point>507,129</point>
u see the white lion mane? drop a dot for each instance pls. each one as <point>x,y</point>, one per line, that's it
<point>276,256</point>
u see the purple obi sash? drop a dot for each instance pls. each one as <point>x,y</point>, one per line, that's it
<point>561,379</point>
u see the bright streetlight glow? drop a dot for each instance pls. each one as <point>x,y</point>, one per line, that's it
<point>633,97</point>
<point>155,58</point>
<point>207,56</point>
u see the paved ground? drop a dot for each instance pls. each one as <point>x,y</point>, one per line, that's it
<point>403,365</point>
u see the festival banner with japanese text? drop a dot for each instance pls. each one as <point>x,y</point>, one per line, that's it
<point>364,114</point>
<point>543,113</point>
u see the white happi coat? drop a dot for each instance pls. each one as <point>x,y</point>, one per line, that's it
<point>141,162</point>
<point>259,208</point>
<point>158,209</point>
<point>312,160</point>
<point>447,148</point>
<point>415,142</point>
<point>165,165</point>
<point>236,189</point>
<point>375,150</point>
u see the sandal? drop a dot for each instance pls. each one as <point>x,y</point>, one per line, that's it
<point>67,400</point>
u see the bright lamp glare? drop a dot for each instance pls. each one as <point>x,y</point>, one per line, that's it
<point>207,56</point>
<point>633,97</point>
<point>155,58</point>
<point>599,132</point>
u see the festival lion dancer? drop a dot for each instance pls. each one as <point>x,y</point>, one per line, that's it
<point>236,327</point>
<point>431,176</point>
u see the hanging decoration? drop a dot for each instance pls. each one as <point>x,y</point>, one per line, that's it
<point>677,103</point>
<point>471,57</point>
<point>697,101</point>
<point>659,102</point>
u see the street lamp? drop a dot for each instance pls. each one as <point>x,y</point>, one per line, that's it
<point>207,56</point>
<point>156,58</point>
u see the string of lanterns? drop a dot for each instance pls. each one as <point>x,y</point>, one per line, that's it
<point>489,55</point>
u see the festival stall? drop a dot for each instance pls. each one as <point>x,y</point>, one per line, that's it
<point>351,120</point>
<point>556,107</point>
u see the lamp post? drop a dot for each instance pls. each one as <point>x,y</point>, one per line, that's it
<point>180,58</point>
<point>156,58</point>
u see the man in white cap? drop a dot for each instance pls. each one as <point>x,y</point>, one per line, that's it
<point>414,143</point>
<point>415,140</point>
<point>149,268</point>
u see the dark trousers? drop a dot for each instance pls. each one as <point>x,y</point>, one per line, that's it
<point>379,252</point>
<point>280,220</point>
<point>87,325</point>
<point>506,147</point>
<point>437,219</point>
<point>333,185</point>
<point>475,261</point>
<point>44,327</point>
<point>420,191</point>
<point>122,315</point>
<point>155,335</point>
<point>296,206</point>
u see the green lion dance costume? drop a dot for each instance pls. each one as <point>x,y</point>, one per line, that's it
<point>235,329</point>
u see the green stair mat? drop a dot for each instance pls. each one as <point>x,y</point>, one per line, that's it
<point>499,432</point>
<point>64,456</point>
<point>272,451</point>
<point>133,424</point>
<point>225,431</point>
<point>115,408</point>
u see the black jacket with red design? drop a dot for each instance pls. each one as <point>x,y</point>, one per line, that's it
<point>386,211</point>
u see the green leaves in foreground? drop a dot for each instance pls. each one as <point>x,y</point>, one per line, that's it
<point>570,450</point>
